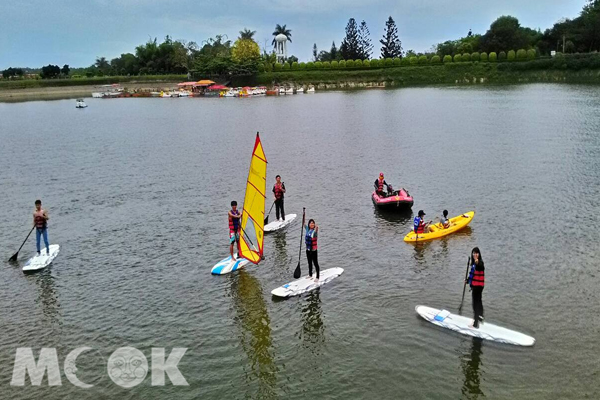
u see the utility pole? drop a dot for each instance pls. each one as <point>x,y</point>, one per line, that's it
<point>563,44</point>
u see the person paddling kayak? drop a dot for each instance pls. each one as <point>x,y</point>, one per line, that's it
<point>379,184</point>
<point>278,192</point>
<point>234,228</point>
<point>310,239</point>
<point>40,221</point>
<point>420,226</point>
<point>444,221</point>
<point>476,280</point>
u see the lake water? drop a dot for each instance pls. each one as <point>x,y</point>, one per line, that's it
<point>138,191</point>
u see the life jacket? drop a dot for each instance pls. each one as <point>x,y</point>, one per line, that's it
<point>234,223</point>
<point>40,221</point>
<point>476,278</point>
<point>311,239</point>
<point>419,225</point>
<point>380,184</point>
<point>278,190</point>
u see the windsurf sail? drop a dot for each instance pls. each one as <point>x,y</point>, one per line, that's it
<point>253,215</point>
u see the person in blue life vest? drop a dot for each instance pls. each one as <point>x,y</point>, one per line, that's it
<point>420,226</point>
<point>40,221</point>
<point>379,184</point>
<point>476,280</point>
<point>444,221</point>
<point>310,239</point>
<point>234,228</point>
<point>278,194</point>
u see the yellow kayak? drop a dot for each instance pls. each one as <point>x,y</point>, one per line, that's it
<point>437,230</point>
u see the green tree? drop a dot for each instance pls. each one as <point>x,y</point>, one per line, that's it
<point>65,70</point>
<point>333,52</point>
<point>447,59</point>
<point>483,57</point>
<point>466,57</point>
<point>493,57</point>
<point>315,53</point>
<point>435,59</point>
<point>364,37</point>
<point>391,45</point>
<point>457,58</point>
<point>245,50</point>
<point>511,55</point>
<point>279,29</point>
<point>501,56</point>
<point>475,56</point>
<point>521,54</point>
<point>247,34</point>
<point>422,59</point>
<point>504,33</point>
<point>351,46</point>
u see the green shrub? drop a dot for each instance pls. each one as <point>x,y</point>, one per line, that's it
<point>302,66</point>
<point>374,63</point>
<point>295,65</point>
<point>531,54</point>
<point>318,65</point>
<point>493,57</point>
<point>414,60</point>
<point>261,67</point>
<point>349,63</point>
<point>521,55</point>
<point>334,64</point>
<point>342,64</point>
<point>457,58</point>
<point>483,57</point>
<point>501,56</point>
<point>466,57</point>
<point>435,59</point>
<point>447,59</point>
<point>286,66</point>
<point>310,65</point>
<point>397,61</point>
<point>278,67</point>
<point>389,62</point>
<point>423,60</point>
<point>475,56</point>
<point>358,63</point>
<point>326,65</point>
<point>511,55</point>
<point>268,67</point>
<point>405,61</point>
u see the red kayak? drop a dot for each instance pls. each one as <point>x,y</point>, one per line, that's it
<point>397,200</point>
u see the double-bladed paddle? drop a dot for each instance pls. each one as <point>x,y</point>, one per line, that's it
<point>14,257</point>
<point>297,272</point>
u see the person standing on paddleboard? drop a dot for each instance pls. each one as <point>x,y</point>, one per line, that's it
<point>278,192</point>
<point>476,280</point>
<point>40,221</point>
<point>234,228</point>
<point>310,238</point>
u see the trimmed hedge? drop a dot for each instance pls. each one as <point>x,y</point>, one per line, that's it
<point>447,59</point>
<point>349,63</point>
<point>405,61</point>
<point>501,56</point>
<point>278,67</point>
<point>397,61</point>
<point>531,54</point>
<point>295,65</point>
<point>457,58</point>
<point>466,57</point>
<point>511,55</point>
<point>521,55</point>
<point>342,64</point>
<point>423,60</point>
<point>483,57</point>
<point>493,57</point>
<point>318,65</point>
<point>302,66</point>
<point>334,64</point>
<point>435,59</point>
<point>358,63</point>
<point>375,63</point>
<point>389,62</point>
<point>326,65</point>
<point>310,65</point>
<point>286,66</point>
<point>413,60</point>
<point>475,56</point>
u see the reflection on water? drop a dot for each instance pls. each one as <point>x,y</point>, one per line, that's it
<point>394,217</point>
<point>48,297</point>
<point>255,336</point>
<point>281,254</point>
<point>312,324</point>
<point>470,363</point>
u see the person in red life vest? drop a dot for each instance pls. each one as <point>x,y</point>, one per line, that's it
<point>278,192</point>
<point>379,184</point>
<point>310,239</point>
<point>476,280</point>
<point>234,228</point>
<point>420,226</point>
<point>40,221</point>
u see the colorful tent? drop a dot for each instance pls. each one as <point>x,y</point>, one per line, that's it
<point>186,84</point>
<point>217,87</point>
<point>205,82</point>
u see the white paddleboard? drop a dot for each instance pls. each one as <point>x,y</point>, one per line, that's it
<point>277,225</point>
<point>40,262</point>
<point>306,284</point>
<point>485,331</point>
<point>227,265</point>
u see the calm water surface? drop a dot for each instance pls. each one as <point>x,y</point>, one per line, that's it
<point>138,191</point>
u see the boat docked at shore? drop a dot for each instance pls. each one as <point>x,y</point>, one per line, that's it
<point>80,104</point>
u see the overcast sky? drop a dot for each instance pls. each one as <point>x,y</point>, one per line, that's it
<point>75,32</point>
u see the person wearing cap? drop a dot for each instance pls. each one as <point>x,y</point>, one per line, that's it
<point>379,183</point>
<point>420,225</point>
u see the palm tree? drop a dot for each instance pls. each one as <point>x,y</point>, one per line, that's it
<point>247,34</point>
<point>281,30</point>
<point>101,63</point>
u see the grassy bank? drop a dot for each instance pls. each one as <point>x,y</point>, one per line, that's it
<point>95,81</point>
<point>451,73</point>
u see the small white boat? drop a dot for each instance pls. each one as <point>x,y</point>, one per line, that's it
<point>311,89</point>
<point>80,104</point>
<point>300,90</point>
<point>184,93</point>
<point>289,91</point>
<point>230,93</point>
<point>281,90</point>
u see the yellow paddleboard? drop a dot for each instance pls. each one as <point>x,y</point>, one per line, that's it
<point>437,230</point>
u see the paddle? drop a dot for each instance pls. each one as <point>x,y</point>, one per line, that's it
<point>297,272</point>
<point>465,285</point>
<point>14,257</point>
<point>267,219</point>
